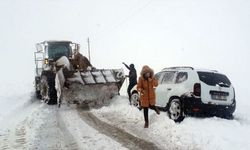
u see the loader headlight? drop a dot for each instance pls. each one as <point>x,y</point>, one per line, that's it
<point>46,61</point>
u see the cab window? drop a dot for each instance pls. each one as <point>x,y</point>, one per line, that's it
<point>56,51</point>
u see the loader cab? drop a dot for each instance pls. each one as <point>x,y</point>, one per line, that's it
<point>55,50</point>
<point>48,52</point>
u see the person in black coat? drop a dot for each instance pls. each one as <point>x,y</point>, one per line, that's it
<point>132,78</point>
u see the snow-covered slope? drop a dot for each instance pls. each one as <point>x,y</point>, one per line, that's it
<point>13,96</point>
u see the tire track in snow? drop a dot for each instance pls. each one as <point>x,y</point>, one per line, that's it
<point>51,133</point>
<point>127,140</point>
<point>68,138</point>
<point>14,132</point>
<point>20,136</point>
<point>36,126</point>
<point>4,141</point>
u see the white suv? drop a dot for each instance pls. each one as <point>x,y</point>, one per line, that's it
<point>188,91</point>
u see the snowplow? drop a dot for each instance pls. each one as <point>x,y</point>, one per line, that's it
<point>58,80</point>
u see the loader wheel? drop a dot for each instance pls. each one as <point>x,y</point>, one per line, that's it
<point>48,91</point>
<point>38,95</point>
<point>38,92</point>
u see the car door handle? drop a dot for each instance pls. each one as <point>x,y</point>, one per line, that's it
<point>169,89</point>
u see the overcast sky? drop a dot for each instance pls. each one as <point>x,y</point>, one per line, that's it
<point>212,34</point>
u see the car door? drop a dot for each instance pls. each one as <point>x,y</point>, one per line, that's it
<point>166,83</point>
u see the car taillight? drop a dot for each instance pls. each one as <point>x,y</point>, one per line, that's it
<point>197,89</point>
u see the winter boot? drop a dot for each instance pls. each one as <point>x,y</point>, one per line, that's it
<point>157,110</point>
<point>146,125</point>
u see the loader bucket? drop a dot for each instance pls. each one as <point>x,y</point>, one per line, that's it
<point>95,87</point>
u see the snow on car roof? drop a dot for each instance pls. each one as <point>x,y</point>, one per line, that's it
<point>206,70</point>
<point>189,68</point>
<point>178,68</point>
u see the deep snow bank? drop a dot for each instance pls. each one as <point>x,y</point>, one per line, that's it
<point>13,96</point>
<point>192,133</point>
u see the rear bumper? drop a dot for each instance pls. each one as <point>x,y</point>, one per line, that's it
<point>194,105</point>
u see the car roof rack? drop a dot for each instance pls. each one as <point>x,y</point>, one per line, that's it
<point>178,67</point>
<point>202,69</point>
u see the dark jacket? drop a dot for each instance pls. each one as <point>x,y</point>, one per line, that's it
<point>132,74</point>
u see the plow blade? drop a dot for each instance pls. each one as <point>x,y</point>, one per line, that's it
<point>95,87</point>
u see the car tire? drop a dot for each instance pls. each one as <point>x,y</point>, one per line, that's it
<point>175,110</point>
<point>135,98</point>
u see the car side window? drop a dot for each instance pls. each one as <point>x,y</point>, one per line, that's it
<point>158,77</point>
<point>181,77</point>
<point>168,77</point>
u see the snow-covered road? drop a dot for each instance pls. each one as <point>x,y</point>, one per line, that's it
<point>26,123</point>
<point>39,126</point>
<point>35,125</point>
<point>126,139</point>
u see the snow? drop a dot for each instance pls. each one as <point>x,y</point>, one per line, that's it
<point>109,76</point>
<point>98,77</point>
<point>87,77</point>
<point>21,113</point>
<point>76,78</point>
<point>13,96</point>
<point>86,136</point>
<point>59,83</point>
<point>63,62</point>
<point>192,133</point>
<point>205,34</point>
<point>26,123</point>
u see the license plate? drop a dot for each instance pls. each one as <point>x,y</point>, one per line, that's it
<point>219,97</point>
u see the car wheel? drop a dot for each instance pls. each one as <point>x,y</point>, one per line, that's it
<point>135,99</point>
<point>175,110</point>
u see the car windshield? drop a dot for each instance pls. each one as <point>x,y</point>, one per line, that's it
<point>58,50</point>
<point>214,79</point>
